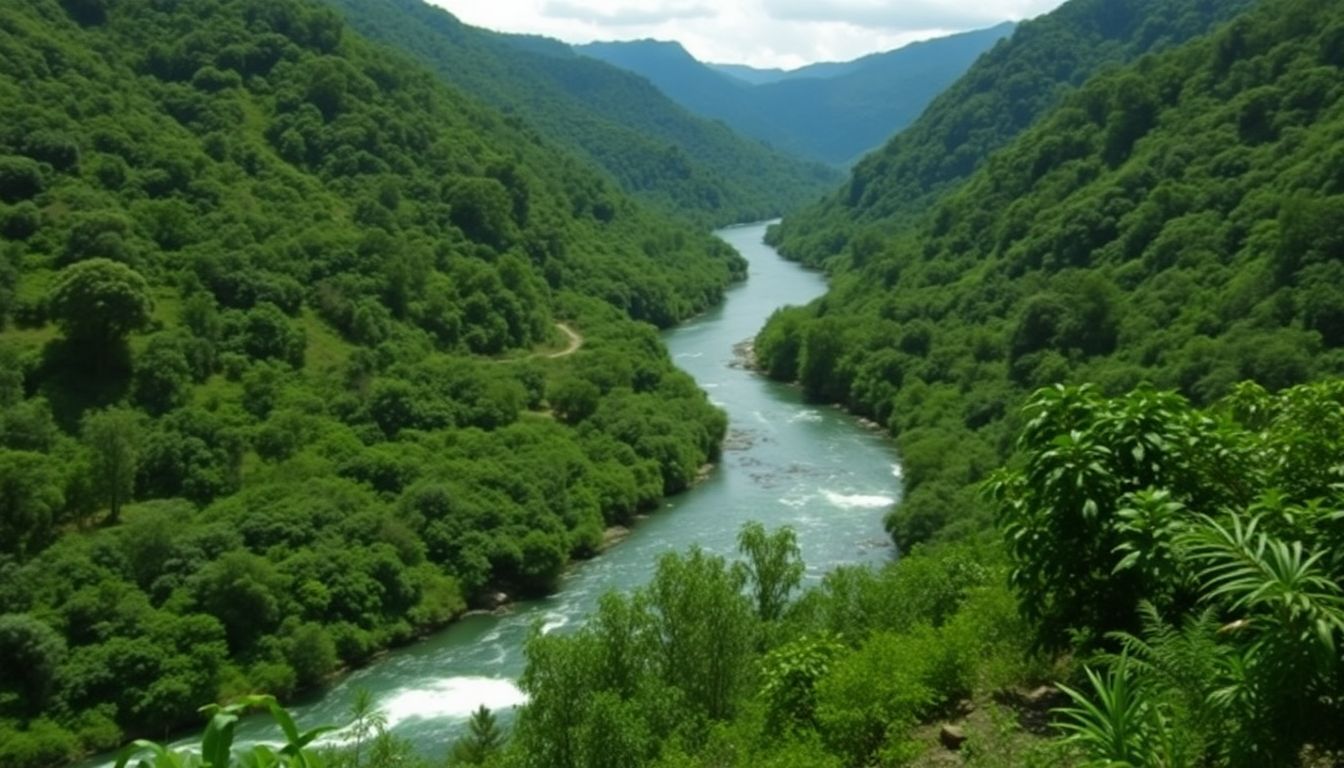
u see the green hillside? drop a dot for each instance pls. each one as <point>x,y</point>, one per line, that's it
<point>1166,586</point>
<point>1168,222</point>
<point>1002,94</point>
<point>656,151</point>
<point>836,119</point>
<point>281,382</point>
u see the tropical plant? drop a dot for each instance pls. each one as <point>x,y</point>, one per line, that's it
<point>217,748</point>
<point>366,721</point>
<point>1114,724</point>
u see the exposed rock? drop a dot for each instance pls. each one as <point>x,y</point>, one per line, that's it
<point>1042,694</point>
<point>744,355</point>
<point>702,474</point>
<point>952,737</point>
<point>613,536</point>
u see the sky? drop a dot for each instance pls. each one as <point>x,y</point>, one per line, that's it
<point>762,33</point>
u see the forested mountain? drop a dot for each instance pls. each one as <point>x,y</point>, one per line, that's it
<point>1172,561</point>
<point>1171,221</point>
<point>757,76</point>
<point>835,118</point>
<point>280,377</point>
<point>998,97</point>
<point>656,150</point>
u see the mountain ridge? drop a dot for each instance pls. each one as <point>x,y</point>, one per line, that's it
<point>652,147</point>
<point>996,99</point>
<point>835,119</point>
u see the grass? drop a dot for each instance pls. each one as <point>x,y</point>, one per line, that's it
<point>326,353</point>
<point>27,340</point>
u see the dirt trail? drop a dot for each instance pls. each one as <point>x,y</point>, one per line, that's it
<point>575,341</point>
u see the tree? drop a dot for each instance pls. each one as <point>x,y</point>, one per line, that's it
<point>112,437</point>
<point>483,739</point>
<point>365,720</point>
<point>706,629</point>
<point>11,376</point>
<point>774,566</point>
<point>20,178</point>
<point>100,301</point>
<point>162,374</point>
<point>30,652</point>
<point>243,591</point>
<point>30,499</point>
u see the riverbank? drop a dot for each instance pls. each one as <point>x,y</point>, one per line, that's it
<point>784,462</point>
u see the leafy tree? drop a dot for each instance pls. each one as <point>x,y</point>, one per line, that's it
<point>31,500</point>
<point>20,178</point>
<point>791,673</point>
<point>99,235</point>
<point>32,653</point>
<point>162,374</point>
<point>706,626</point>
<point>774,566</point>
<point>99,301</point>
<point>112,437</point>
<point>573,399</point>
<point>312,654</point>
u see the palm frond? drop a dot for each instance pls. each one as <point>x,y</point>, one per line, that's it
<point>1259,574</point>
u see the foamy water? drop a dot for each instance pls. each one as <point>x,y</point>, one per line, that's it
<point>451,698</point>
<point>858,500</point>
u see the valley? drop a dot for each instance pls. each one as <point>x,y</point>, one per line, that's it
<point>410,386</point>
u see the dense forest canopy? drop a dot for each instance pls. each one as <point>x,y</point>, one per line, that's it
<point>1167,223</point>
<point>1173,555</point>
<point>277,387</point>
<point>1001,95</point>
<point>284,381</point>
<point>654,149</point>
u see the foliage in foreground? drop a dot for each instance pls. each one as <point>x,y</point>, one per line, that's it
<point>697,669</point>
<point>217,750</point>
<point>1200,554</point>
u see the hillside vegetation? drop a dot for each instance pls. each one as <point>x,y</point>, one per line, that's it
<point>655,150</point>
<point>1005,91</point>
<point>836,118</point>
<point>277,315</point>
<point>1185,564</point>
<point>1061,348</point>
<point>1166,223</point>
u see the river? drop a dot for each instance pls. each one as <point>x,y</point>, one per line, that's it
<point>784,462</point>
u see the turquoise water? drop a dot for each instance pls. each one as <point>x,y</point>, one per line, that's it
<point>784,462</point>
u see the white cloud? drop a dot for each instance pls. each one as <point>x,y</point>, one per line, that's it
<point>907,15</point>
<point>623,15</point>
<point>763,33</point>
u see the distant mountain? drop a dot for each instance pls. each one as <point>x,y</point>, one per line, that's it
<point>1002,94</point>
<point>831,112</point>
<point>756,76</point>
<point>654,148</point>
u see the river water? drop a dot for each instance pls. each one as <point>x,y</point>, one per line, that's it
<point>784,462</point>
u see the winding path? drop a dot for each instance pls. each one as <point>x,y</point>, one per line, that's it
<point>575,341</point>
